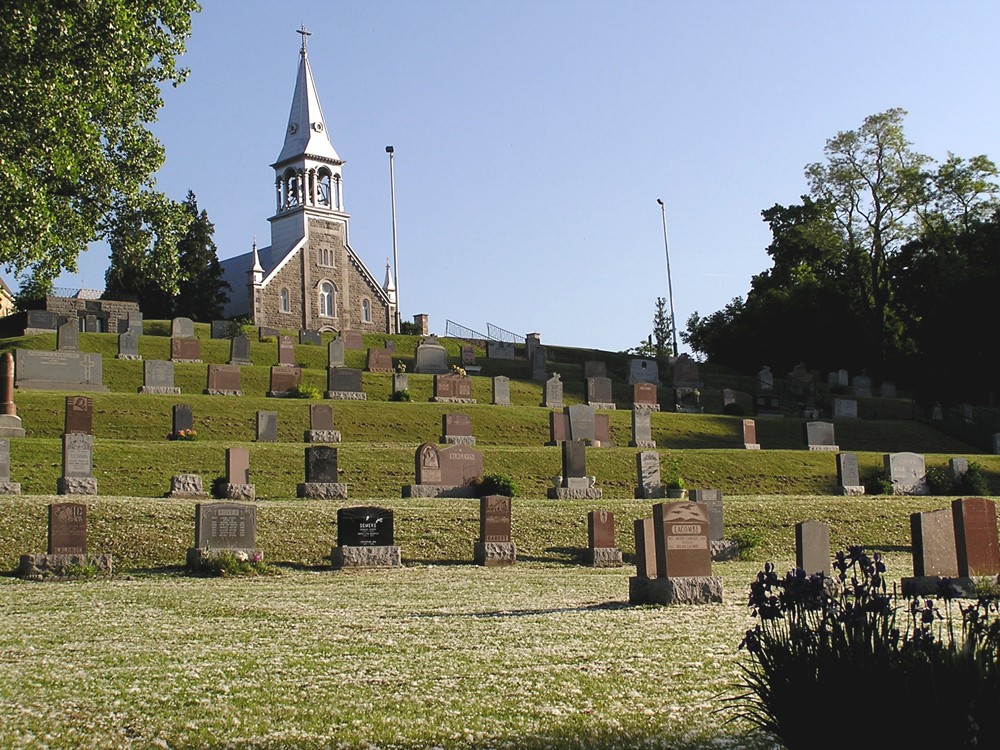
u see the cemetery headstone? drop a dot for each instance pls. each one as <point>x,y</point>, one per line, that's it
<point>592,369</point>
<point>239,351</point>
<point>645,562</point>
<point>933,535</point>
<point>128,345</point>
<point>862,386</point>
<point>79,416</point>
<point>642,430</point>
<point>500,350</point>
<point>59,371</point>
<point>538,364</point>
<point>267,427</point>
<point>888,390</point>
<point>266,333</point>
<point>335,353</point>
<point>345,384</point>
<point>728,396</point>
<point>581,421</point>
<point>237,485</point>
<point>68,336</point>
<point>531,343</point>
<point>221,528</point>
<point>686,373</point>
<point>283,380</point>
<point>390,345</point>
<point>186,486</point>
<point>447,472</point>
<point>223,329</point>
<point>379,360</point>
<point>848,475</point>
<point>682,540</point>
<point>223,380</point>
<point>158,377</point>
<point>286,351</point>
<point>599,393</point>
<point>78,466</point>
<point>453,389</point>
<point>601,550</point>
<point>353,340</point>
<point>494,547</point>
<point>183,418</point>
<point>643,371</point>
<point>645,396</point>
<point>182,328</point>
<point>976,546</point>
<point>957,468</point>
<point>766,406</point>
<point>845,408</point>
<point>456,429</point>
<point>907,474</point>
<point>688,401</point>
<point>430,357</point>
<point>843,378</point>
<point>185,350</point>
<point>574,482</point>
<point>820,437</point>
<point>365,539</point>
<point>7,487</point>
<point>649,486</point>
<point>468,354</point>
<point>558,427</point>
<point>67,529</point>
<point>750,435</point>
<point>322,475</point>
<point>501,391</point>
<point>553,392</point>
<point>800,380</point>
<point>400,382</point>
<point>833,379</point>
<point>812,547</point>
<point>712,499</point>
<point>310,338</point>
<point>133,322</point>
<point>602,432</point>
<point>321,425</point>
<point>765,380</point>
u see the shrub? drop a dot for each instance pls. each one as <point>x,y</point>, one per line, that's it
<point>304,391</point>
<point>734,410</point>
<point>939,481</point>
<point>498,484</point>
<point>400,396</point>
<point>268,340</point>
<point>228,564</point>
<point>973,481</point>
<point>217,485</point>
<point>877,483</point>
<point>816,640</point>
<point>747,541</point>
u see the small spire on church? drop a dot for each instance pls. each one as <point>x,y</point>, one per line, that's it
<point>257,272</point>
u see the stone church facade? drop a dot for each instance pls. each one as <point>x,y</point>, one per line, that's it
<point>309,277</point>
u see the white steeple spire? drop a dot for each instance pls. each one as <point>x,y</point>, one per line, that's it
<point>388,285</point>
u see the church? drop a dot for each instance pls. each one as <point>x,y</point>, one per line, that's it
<point>309,277</point>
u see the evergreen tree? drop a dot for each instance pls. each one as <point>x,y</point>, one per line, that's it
<point>202,292</point>
<point>662,328</point>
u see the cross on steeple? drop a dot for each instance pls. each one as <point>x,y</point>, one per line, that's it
<point>304,34</point>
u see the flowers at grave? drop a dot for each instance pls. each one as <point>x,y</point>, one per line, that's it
<point>182,435</point>
<point>456,370</point>
<point>400,367</point>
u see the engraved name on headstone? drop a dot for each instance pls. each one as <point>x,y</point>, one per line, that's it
<point>494,518</point>
<point>225,526</point>
<point>67,529</point>
<point>364,527</point>
<point>682,540</point>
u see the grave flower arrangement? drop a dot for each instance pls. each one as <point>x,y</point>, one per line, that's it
<point>183,435</point>
<point>925,675</point>
<point>456,370</point>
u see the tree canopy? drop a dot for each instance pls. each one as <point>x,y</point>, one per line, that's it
<point>80,82</point>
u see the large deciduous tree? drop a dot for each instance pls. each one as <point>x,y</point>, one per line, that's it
<point>80,81</point>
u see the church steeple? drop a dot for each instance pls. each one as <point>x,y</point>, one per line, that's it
<point>308,167</point>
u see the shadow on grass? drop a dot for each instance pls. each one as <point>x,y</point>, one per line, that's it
<point>506,614</point>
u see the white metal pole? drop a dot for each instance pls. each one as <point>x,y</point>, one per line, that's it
<point>395,255</point>
<point>670,286</point>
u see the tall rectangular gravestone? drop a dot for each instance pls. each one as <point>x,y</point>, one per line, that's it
<point>322,475</point>
<point>581,421</point>
<point>237,485</point>
<point>575,484</point>
<point>649,487</point>
<point>645,561</point>
<point>78,466</point>
<point>68,336</point>
<point>750,435</point>
<point>848,475</point>
<point>286,351</point>
<point>335,353</point>
<point>267,427</point>
<point>553,392</point>
<point>67,529</point>
<point>183,418</point>
<point>7,487</point>
<point>239,351</point>
<point>976,546</point>
<point>79,417</point>
<point>128,345</point>
<point>494,548</point>
<point>321,425</point>
<point>642,431</point>
<point>501,391</point>
<point>682,540</point>
<point>812,547</point>
<point>599,393</point>
<point>933,536</point>
<point>601,550</point>
<point>538,362</point>
<point>712,499</point>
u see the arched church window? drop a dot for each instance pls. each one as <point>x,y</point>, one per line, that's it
<point>283,295</point>
<point>327,300</point>
<point>366,310</point>
<point>291,188</point>
<point>325,256</point>
<point>325,199</point>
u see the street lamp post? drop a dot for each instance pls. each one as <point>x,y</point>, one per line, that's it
<point>395,256</point>
<point>670,286</point>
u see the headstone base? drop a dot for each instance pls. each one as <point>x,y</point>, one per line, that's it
<point>322,490</point>
<point>347,395</point>
<point>679,590</point>
<point>10,426</point>
<point>853,490</point>
<point>10,488</point>
<point>449,400</point>
<point>278,394</point>
<point>928,586</point>
<point>599,444</point>
<point>221,392</point>
<point>502,403</point>
<point>321,436</point>
<point>552,405</point>
<point>197,555</point>
<point>751,446</point>
<point>76,486</point>
<point>825,448</point>
<point>645,407</point>
<point>574,493</point>
<point>723,549</point>
<point>689,410</point>
<point>50,385</point>
<point>246,492</point>
<point>602,405</point>
<point>366,557</point>
<point>240,362</point>
<point>603,557</point>
<point>494,554</point>
<point>650,493</point>
<point>158,390</point>
<point>44,566</point>
<point>186,486</point>
<point>438,490</point>
<point>458,439</point>
<point>641,443</point>
<point>187,361</point>
<point>129,356</point>
<point>920,488</point>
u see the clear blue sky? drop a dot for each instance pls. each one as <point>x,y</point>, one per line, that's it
<point>533,138</point>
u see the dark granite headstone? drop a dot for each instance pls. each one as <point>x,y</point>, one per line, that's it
<point>812,547</point>
<point>600,528</point>
<point>128,345</point>
<point>364,527</point>
<point>494,518</point>
<point>976,546</point>
<point>352,340</point>
<point>320,417</point>
<point>888,390</point>
<point>67,529</point>
<point>225,526</point>
<point>599,391</point>
<point>321,464</point>
<point>183,417</point>
<point>265,332</point>
<point>862,386</point>
<point>592,369</point>
<point>284,379</point>
<point>40,320</point>
<point>237,466</point>
<point>335,353</point>
<point>933,536</point>
<point>267,427</point>
<point>79,415</point>
<point>847,470</point>
<point>239,350</point>
<point>158,373</point>
<point>712,499</point>
<point>344,379</point>
<point>645,547</point>
<point>686,372</point>
<point>286,351</point>
<point>538,364</point>
<point>819,436</point>
<point>644,394</point>
<point>456,425</point>
<point>311,338</point>
<point>500,350</point>
<point>468,355</point>
<point>766,406</point>
<point>223,329</point>
<point>581,421</point>
<point>682,540</point>
<point>182,328</point>
<point>185,350</point>
<point>223,378</point>
<point>68,336</point>
<point>379,360</point>
<point>574,460</point>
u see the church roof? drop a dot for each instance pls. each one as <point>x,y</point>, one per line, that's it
<point>306,133</point>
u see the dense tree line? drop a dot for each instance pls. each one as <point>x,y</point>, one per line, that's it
<point>888,265</point>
